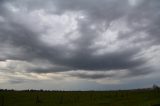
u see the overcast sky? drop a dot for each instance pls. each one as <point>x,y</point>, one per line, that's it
<point>79,44</point>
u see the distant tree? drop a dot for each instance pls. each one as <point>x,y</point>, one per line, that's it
<point>155,86</point>
<point>41,90</point>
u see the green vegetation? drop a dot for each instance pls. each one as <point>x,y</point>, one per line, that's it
<point>143,97</point>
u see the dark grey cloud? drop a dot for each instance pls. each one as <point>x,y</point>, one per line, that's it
<point>90,76</point>
<point>143,17</point>
<point>48,69</point>
<point>104,10</point>
<point>119,60</point>
<point>138,71</point>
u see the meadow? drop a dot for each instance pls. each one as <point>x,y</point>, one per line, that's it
<point>139,97</point>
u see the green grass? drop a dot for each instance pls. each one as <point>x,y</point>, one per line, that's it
<point>80,98</point>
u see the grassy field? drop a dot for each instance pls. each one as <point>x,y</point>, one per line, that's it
<point>145,97</point>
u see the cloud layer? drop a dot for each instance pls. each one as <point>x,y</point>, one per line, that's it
<point>83,39</point>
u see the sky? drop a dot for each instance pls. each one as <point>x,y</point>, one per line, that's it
<point>79,44</point>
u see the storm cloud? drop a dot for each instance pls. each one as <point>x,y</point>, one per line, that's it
<point>86,39</point>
